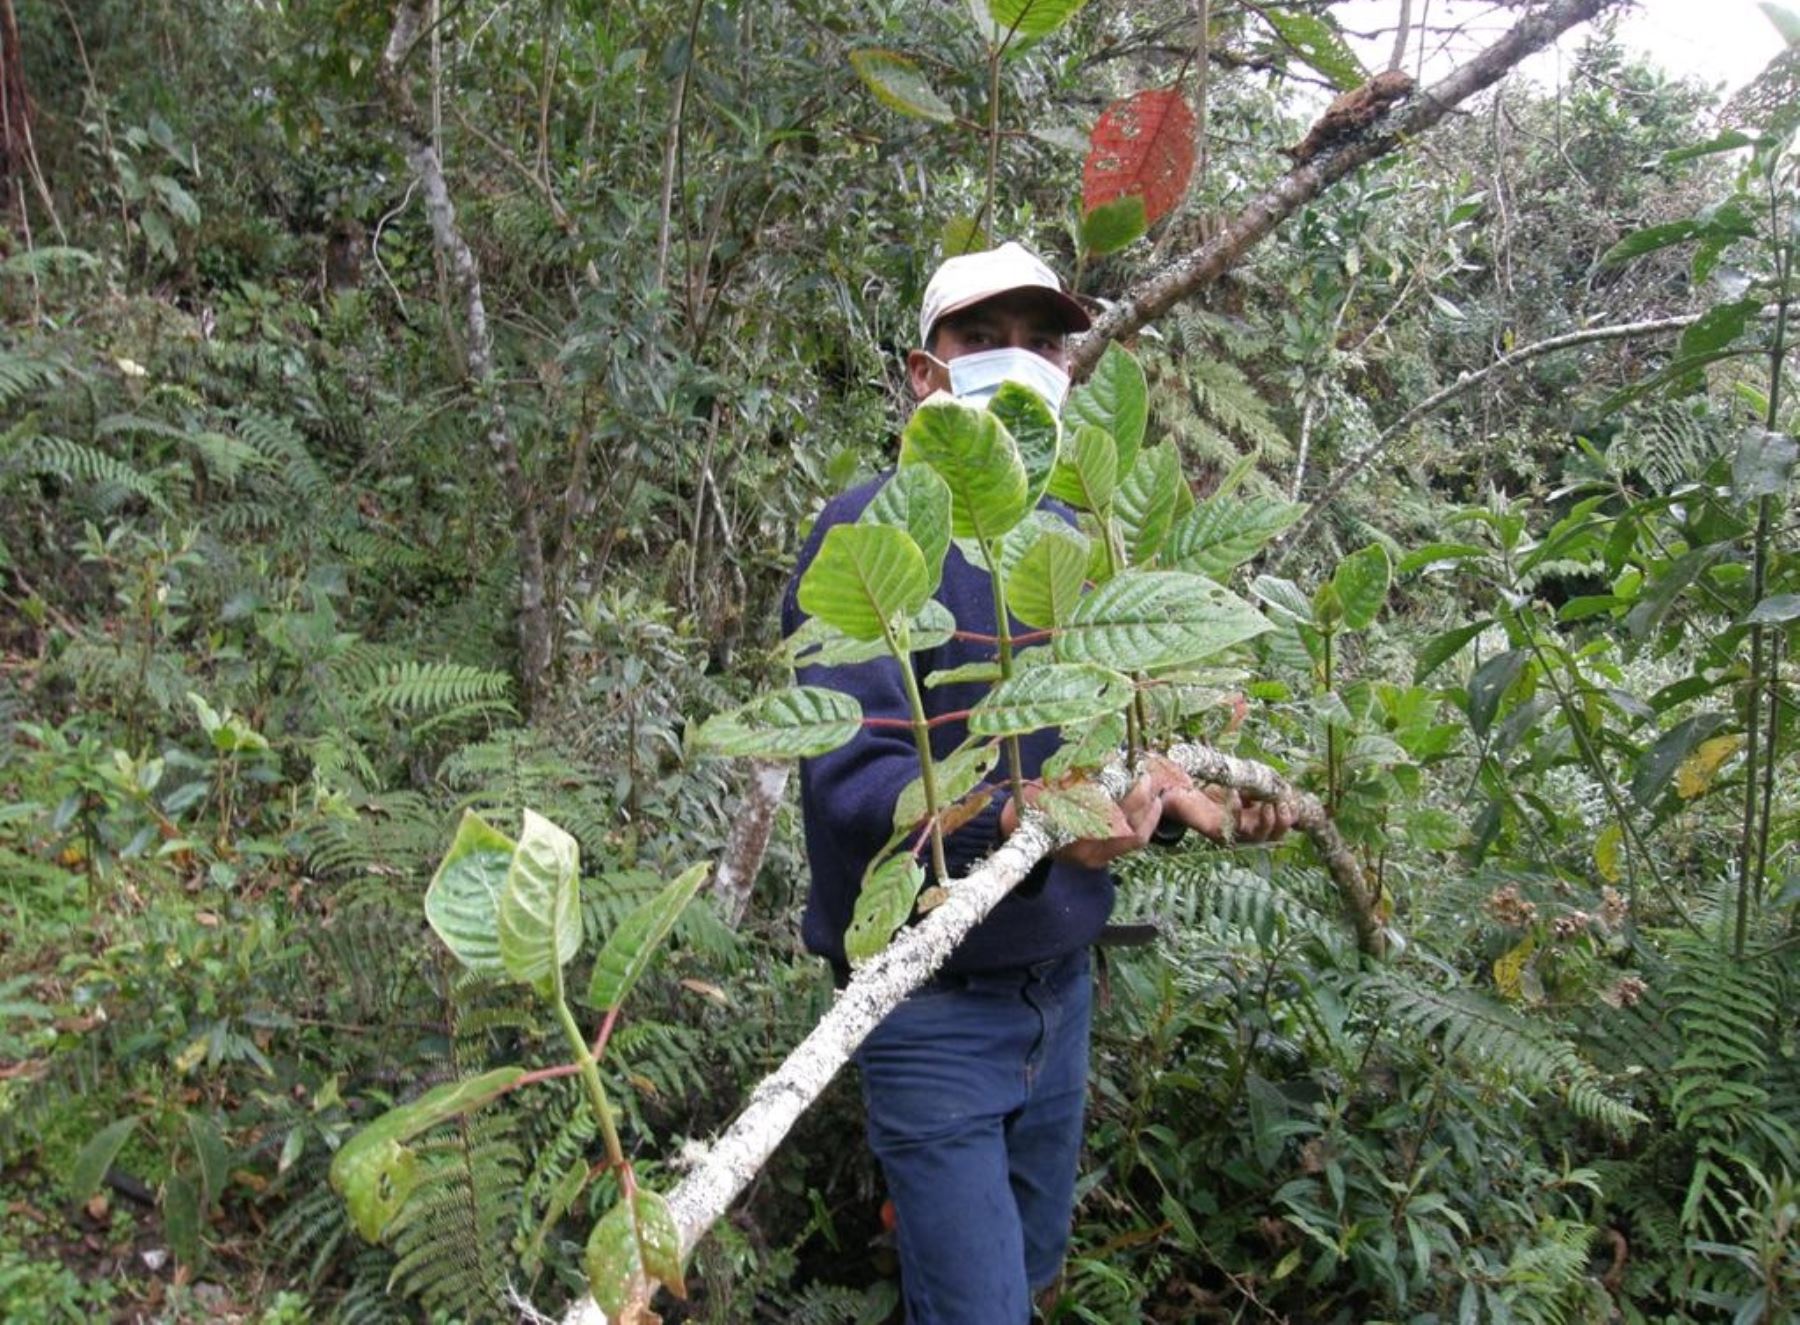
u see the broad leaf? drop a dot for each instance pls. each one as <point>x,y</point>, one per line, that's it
<point>1658,764</point>
<point>1774,609</point>
<point>957,776</point>
<point>1285,597</point>
<point>1112,225</point>
<point>1729,141</point>
<point>797,723</point>
<point>1050,695</point>
<point>917,500</point>
<point>373,1171</point>
<point>1045,583</point>
<point>1146,501</point>
<point>1650,239</point>
<point>1763,465</point>
<point>213,1156</point>
<point>540,904</point>
<point>1087,472</point>
<point>1152,619</point>
<point>1221,534</point>
<point>1719,326</point>
<point>96,1157</point>
<point>1440,649</point>
<point>973,453</point>
<point>1433,555</point>
<point>817,643</point>
<point>889,890</point>
<point>462,905</point>
<point>1653,604</point>
<point>1091,749</point>
<point>863,575</point>
<point>634,944</point>
<point>1318,43</point>
<point>900,85</point>
<point>1786,22</point>
<point>1489,684</point>
<point>1115,398</point>
<point>1032,18</point>
<point>1361,581</point>
<point>635,1246</point>
<point>1142,147</point>
<point>1081,810</point>
<point>1035,430</point>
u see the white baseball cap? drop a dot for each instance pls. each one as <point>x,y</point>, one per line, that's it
<point>964,281</point>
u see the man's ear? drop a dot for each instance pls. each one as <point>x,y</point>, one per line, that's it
<point>924,374</point>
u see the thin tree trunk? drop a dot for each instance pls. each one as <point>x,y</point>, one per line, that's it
<point>465,276</point>
<point>748,841</point>
<point>1162,289</point>
<point>1401,34</point>
<point>15,102</point>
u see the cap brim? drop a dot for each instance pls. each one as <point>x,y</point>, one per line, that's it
<point>1074,316</point>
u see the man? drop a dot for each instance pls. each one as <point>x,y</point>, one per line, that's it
<point>974,1086</point>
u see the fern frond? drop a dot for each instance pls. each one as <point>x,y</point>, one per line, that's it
<point>110,479</point>
<point>22,374</point>
<point>1489,1036</point>
<point>280,442</point>
<point>452,1237</point>
<point>416,688</point>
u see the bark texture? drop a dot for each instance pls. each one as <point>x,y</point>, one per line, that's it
<point>478,355</point>
<point>1153,296</point>
<point>749,839</point>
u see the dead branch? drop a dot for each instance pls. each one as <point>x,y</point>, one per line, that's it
<point>1158,292</point>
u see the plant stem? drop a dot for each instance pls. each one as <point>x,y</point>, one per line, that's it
<point>1003,637</point>
<point>590,1078</point>
<point>921,730</point>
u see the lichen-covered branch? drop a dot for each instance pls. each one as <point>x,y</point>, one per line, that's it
<point>1153,296</point>
<point>723,1171</point>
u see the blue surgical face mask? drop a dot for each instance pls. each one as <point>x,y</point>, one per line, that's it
<point>974,378</point>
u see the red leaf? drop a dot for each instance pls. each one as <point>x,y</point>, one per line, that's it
<point>1143,145</point>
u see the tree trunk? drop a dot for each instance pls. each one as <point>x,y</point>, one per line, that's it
<point>465,276</point>
<point>15,106</point>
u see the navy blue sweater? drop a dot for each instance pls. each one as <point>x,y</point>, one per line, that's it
<point>847,796</point>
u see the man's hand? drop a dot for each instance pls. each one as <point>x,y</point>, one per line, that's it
<point>1164,791</point>
<point>1221,814</point>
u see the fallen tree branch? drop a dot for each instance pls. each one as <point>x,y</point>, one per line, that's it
<point>1153,296</point>
<point>701,1199</point>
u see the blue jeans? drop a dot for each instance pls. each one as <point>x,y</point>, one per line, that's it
<point>974,1089</point>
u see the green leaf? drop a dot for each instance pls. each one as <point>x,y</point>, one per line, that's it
<point>1032,18</point>
<point>1650,239</point>
<point>1653,604</point>
<point>1146,500</point>
<point>789,724</point>
<point>1489,686</point>
<point>1433,555</point>
<point>96,1157</point>
<point>1045,583</point>
<point>1087,472</point>
<point>1035,430</point>
<point>374,1171</point>
<point>983,673</point>
<point>973,453</point>
<point>634,944</point>
<point>1116,400</point>
<point>212,1155</point>
<point>1763,465</point>
<point>1112,225</point>
<point>957,776</point>
<point>1775,609</point>
<point>1719,326</point>
<point>462,905</point>
<point>1729,141</point>
<point>540,904</point>
<point>1221,534</point>
<point>1440,649</point>
<point>1050,695</point>
<point>960,235</point>
<point>1151,619</point>
<point>633,1247</point>
<point>817,643</point>
<point>1361,581</point>
<point>863,575</point>
<point>1318,43</point>
<point>917,500</point>
<point>889,890</point>
<point>900,85</point>
<point>1091,749</point>
<point>1081,810</point>
<point>1658,764</point>
<point>1285,597</point>
<point>180,1208</point>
